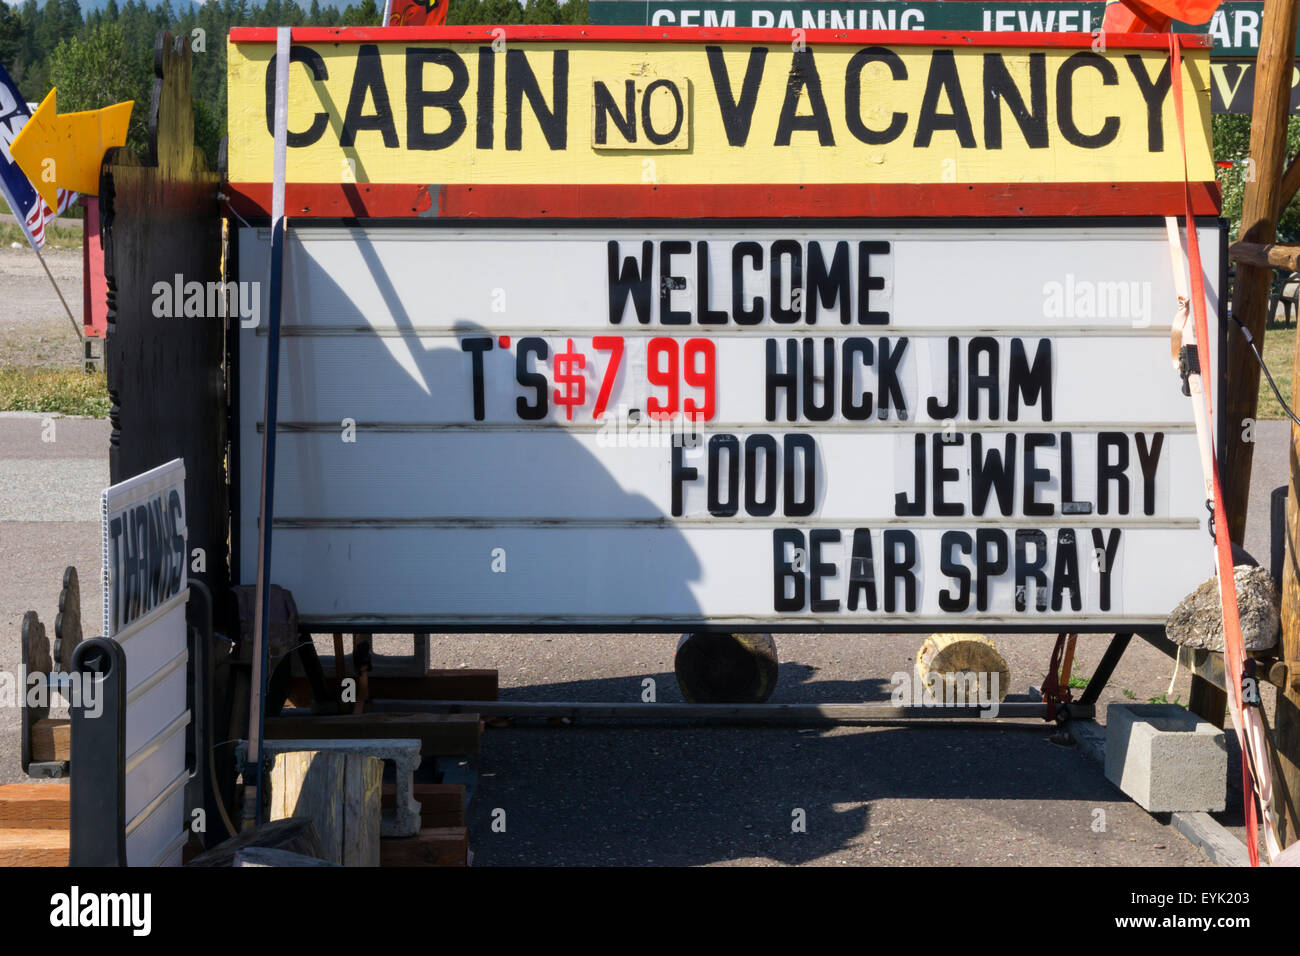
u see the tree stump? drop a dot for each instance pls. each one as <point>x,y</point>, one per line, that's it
<point>954,658</point>
<point>726,668</point>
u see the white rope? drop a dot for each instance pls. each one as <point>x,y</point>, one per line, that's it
<point>1245,720</point>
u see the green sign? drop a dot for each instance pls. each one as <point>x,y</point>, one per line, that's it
<point>1235,26</point>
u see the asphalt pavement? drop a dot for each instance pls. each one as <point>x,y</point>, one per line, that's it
<point>974,793</point>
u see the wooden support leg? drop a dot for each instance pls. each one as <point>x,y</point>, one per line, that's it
<point>362,662</point>
<point>1207,701</point>
<point>421,661</point>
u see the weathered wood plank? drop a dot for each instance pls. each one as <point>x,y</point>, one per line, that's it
<point>37,806</point>
<point>52,739</point>
<point>1269,255</point>
<point>439,734</point>
<point>433,846</point>
<point>30,847</point>
<point>297,835</point>
<point>460,684</point>
<point>441,804</point>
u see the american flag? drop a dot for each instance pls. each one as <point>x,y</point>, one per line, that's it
<point>24,202</point>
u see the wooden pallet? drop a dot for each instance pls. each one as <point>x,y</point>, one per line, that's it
<point>34,824</point>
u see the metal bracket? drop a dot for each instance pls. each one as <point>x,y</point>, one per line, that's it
<point>97,829</point>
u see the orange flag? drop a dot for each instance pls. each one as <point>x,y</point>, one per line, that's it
<point>1154,16</point>
<point>418,13</point>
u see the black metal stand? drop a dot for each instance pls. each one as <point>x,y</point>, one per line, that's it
<point>97,790</point>
<point>1097,683</point>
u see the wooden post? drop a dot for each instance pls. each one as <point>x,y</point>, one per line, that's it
<point>1286,727</point>
<point>165,382</point>
<point>1260,208</point>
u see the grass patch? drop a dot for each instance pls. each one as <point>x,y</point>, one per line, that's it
<point>64,391</point>
<point>56,237</point>
<point>1279,343</point>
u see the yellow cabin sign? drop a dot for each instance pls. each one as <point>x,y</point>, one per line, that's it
<point>618,107</point>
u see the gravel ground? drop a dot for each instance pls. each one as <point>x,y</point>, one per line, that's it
<point>34,329</point>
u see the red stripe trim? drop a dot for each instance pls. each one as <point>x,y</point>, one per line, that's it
<point>867,200</point>
<point>626,34</point>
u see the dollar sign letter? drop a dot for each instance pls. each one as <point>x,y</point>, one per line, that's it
<point>575,386</point>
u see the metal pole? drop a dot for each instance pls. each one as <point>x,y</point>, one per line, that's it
<point>793,714</point>
<point>71,317</point>
<point>252,814</point>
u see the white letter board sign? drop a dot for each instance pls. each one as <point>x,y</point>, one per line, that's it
<point>146,588</point>
<point>767,426</point>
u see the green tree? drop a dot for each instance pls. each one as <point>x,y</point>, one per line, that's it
<point>208,131</point>
<point>94,72</point>
<point>11,36</point>
<point>1232,144</point>
<point>60,20</point>
<point>363,14</point>
<point>28,69</point>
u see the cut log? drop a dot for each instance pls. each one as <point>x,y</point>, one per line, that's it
<point>34,806</point>
<point>52,739</point>
<point>716,668</point>
<point>969,659</point>
<point>440,735</point>
<point>339,793</point>
<point>433,846</point>
<point>32,847</point>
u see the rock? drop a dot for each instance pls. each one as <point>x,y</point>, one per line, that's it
<point>1197,622</point>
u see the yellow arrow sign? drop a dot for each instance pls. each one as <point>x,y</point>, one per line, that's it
<point>65,152</point>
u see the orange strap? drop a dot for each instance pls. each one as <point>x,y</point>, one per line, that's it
<point>1234,647</point>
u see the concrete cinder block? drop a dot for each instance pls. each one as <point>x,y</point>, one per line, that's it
<point>1166,758</point>
<point>403,819</point>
